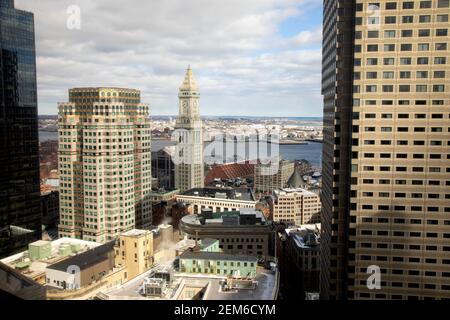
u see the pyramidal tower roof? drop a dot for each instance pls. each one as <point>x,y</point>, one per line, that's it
<point>189,83</point>
<point>296,181</point>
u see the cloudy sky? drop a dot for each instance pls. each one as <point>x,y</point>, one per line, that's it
<point>250,57</point>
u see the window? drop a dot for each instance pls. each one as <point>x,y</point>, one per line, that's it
<point>440,60</point>
<point>442,18</point>
<point>389,47</point>
<point>424,33</point>
<point>406,47</point>
<point>443,3</point>
<point>441,32</point>
<point>390,20</point>
<point>425,19</point>
<point>423,47</point>
<point>388,61</point>
<point>441,46</point>
<point>439,74</point>
<point>391,5</point>
<point>388,75</point>
<point>372,34</point>
<point>405,61</point>
<point>372,48</point>
<point>421,74</point>
<point>408,19</point>
<point>389,34</point>
<point>422,60</point>
<point>408,5</point>
<point>407,33</point>
<point>425,4</point>
<point>405,74</point>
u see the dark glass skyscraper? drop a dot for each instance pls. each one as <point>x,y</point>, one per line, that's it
<point>20,215</point>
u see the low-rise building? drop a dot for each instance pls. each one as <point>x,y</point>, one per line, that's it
<point>33,262</point>
<point>134,250</point>
<point>82,270</point>
<point>218,199</point>
<point>239,232</point>
<point>296,206</point>
<point>218,263</point>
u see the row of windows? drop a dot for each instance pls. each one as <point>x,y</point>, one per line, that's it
<point>405,5</point>
<point>373,102</point>
<point>389,88</point>
<point>406,61</point>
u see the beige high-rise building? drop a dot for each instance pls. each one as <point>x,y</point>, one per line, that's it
<point>269,178</point>
<point>296,206</point>
<point>104,163</point>
<point>188,158</point>
<point>386,163</point>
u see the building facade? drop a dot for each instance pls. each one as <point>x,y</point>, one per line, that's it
<point>268,178</point>
<point>299,260</point>
<point>104,163</point>
<point>219,264</point>
<point>386,141</point>
<point>217,199</point>
<point>20,211</point>
<point>50,207</point>
<point>189,164</point>
<point>244,232</point>
<point>163,167</point>
<point>296,206</point>
<point>134,250</point>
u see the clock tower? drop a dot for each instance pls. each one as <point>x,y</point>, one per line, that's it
<point>188,158</point>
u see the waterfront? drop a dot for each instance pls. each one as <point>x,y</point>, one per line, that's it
<point>311,152</point>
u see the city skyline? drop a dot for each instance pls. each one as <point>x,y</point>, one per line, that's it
<point>258,57</point>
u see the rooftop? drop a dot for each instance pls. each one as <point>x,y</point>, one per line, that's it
<point>286,191</point>
<point>86,259</point>
<point>37,267</point>
<point>227,193</point>
<point>135,233</point>
<point>266,289</point>
<point>223,218</point>
<point>306,236</point>
<point>216,256</point>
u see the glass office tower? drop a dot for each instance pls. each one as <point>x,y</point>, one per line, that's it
<point>20,215</point>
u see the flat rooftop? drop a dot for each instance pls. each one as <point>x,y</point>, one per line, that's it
<point>294,190</point>
<point>217,218</point>
<point>38,267</point>
<point>135,233</point>
<point>266,289</point>
<point>216,256</point>
<point>227,193</point>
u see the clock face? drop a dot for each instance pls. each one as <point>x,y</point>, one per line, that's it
<point>185,103</point>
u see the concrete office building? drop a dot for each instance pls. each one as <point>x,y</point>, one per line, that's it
<point>386,155</point>
<point>244,232</point>
<point>296,206</point>
<point>189,164</point>
<point>269,178</point>
<point>104,163</point>
<point>217,199</point>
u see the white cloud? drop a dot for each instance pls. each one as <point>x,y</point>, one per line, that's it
<point>243,65</point>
